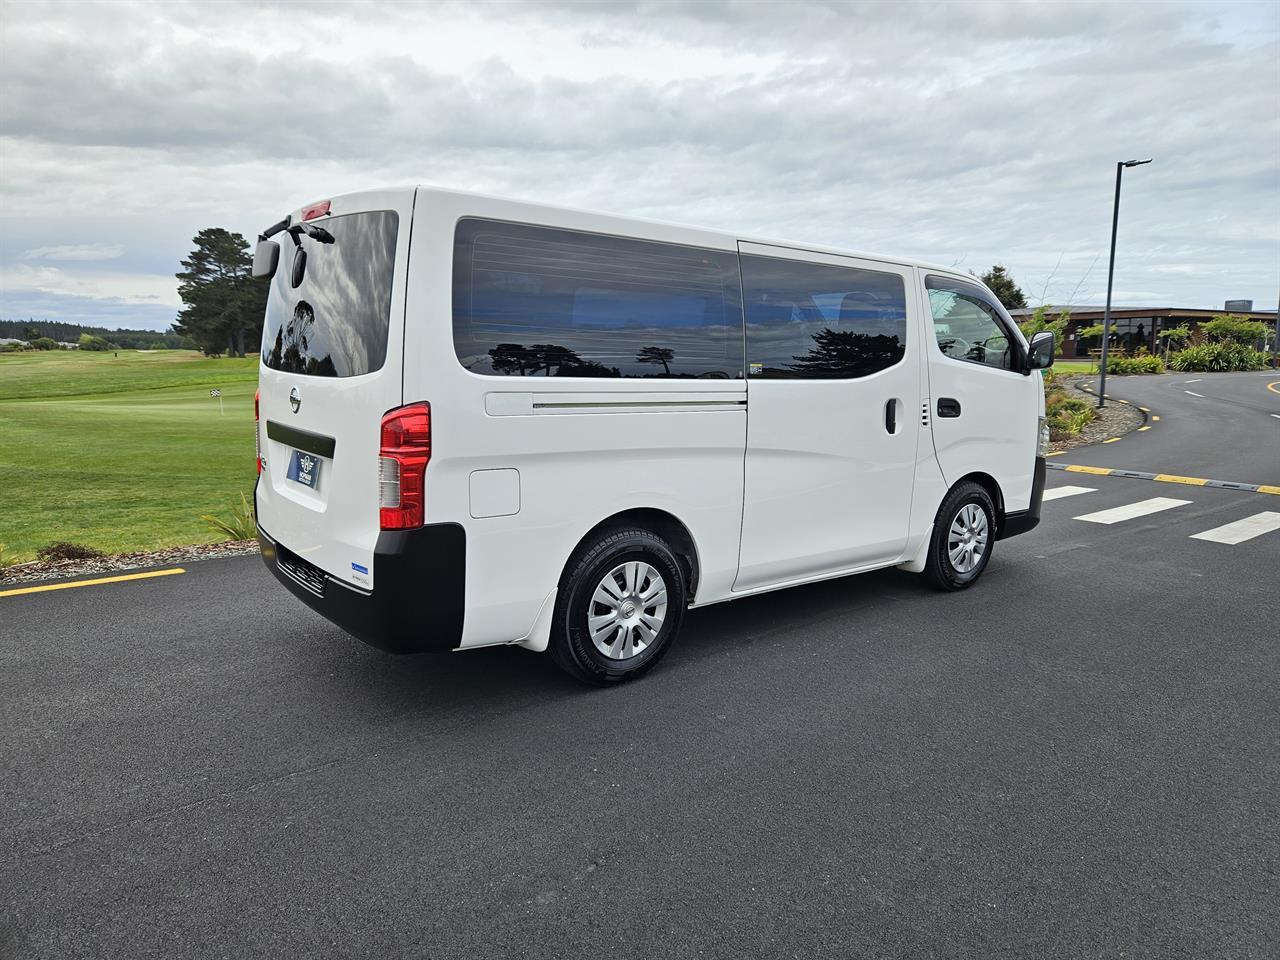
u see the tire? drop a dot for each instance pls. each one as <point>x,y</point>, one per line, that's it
<point>646,614</point>
<point>969,510</point>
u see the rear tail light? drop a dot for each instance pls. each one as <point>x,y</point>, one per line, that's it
<point>257,428</point>
<point>402,466</point>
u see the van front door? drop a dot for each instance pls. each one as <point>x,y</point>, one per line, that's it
<point>984,407</point>
<point>832,415</point>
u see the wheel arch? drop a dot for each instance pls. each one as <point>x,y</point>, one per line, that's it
<point>664,524</point>
<point>992,486</point>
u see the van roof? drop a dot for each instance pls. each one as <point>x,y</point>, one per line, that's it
<point>724,235</point>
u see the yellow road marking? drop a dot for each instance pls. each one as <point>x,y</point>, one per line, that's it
<point>1111,440</point>
<point>1056,453</point>
<point>1140,429</point>
<point>1272,386</point>
<point>1154,417</point>
<point>1145,409</point>
<point>1172,478</point>
<point>1267,488</point>
<point>89,583</point>
<point>1100,471</point>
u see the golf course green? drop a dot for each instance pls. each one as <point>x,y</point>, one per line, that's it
<point>121,451</point>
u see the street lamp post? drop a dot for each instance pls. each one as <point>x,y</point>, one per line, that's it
<point>1111,270</point>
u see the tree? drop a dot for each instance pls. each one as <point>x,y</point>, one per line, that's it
<point>1037,322</point>
<point>1002,285</point>
<point>224,304</point>
<point>1230,326</point>
<point>656,355</point>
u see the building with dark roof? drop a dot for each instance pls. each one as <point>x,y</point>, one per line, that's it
<point>1134,327</point>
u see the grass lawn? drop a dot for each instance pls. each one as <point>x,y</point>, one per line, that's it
<point>1072,367</point>
<point>123,452</point>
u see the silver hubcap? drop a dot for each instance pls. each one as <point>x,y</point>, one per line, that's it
<point>627,610</point>
<point>967,539</point>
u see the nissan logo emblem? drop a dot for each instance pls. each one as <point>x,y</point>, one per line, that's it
<point>295,399</point>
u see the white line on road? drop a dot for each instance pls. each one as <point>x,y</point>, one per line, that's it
<point>1242,530</point>
<point>1058,492</point>
<point>1194,394</point>
<point>1276,415</point>
<point>1196,380</point>
<point>1131,510</point>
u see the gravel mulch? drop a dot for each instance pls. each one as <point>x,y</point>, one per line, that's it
<point>66,569</point>
<point>1114,420</point>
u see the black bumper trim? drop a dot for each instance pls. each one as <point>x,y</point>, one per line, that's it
<point>1024,521</point>
<point>418,600</point>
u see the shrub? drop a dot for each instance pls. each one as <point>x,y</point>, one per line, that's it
<point>62,550</point>
<point>1126,366</point>
<point>1175,337</point>
<point>240,525</point>
<point>1065,414</point>
<point>1229,327</point>
<point>1222,355</point>
<point>44,343</point>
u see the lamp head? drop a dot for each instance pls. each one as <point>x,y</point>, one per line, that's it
<point>1136,163</point>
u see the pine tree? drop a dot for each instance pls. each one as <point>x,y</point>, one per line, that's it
<point>224,304</point>
<point>1002,285</point>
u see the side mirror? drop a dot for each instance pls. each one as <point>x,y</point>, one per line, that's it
<point>265,258</point>
<point>1040,351</point>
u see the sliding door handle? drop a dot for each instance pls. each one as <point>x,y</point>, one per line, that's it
<point>948,407</point>
<point>891,417</point>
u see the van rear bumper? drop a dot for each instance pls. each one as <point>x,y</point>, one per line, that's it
<point>417,602</point>
<point>1023,521</point>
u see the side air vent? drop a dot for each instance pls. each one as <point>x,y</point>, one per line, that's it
<point>924,414</point>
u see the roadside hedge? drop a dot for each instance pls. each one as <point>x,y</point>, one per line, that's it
<point>1126,366</point>
<point>1219,356</point>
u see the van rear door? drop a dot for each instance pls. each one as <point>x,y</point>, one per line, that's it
<point>332,365</point>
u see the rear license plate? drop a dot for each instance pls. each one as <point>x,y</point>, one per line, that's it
<point>304,468</point>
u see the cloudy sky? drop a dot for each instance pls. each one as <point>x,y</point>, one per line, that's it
<point>963,133</point>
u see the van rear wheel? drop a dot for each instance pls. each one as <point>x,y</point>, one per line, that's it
<point>619,607</point>
<point>963,534</point>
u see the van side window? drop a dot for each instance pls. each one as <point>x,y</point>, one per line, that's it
<point>967,324</point>
<point>817,321</point>
<point>536,301</point>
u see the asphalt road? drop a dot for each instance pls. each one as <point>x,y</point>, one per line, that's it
<point>1210,424</point>
<point>1079,757</point>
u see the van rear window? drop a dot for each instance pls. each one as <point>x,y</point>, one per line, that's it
<point>536,301</point>
<point>334,323</point>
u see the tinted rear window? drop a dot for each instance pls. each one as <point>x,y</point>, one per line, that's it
<point>335,322</point>
<point>535,301</point>
<point>818,321</point>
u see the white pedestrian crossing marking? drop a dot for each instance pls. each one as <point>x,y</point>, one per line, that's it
<point>1242,530</point>
<point>1059,492</point>
<point>1131,510</point>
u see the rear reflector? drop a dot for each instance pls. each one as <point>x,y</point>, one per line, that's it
<point>315,210</point>
<point>257,428</point>
<point>402,466</point>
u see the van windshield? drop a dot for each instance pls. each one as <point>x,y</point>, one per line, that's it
<point>334,322</point>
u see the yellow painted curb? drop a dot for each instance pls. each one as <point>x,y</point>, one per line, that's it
<point>1172,478</point>
<point>1111,440</point>
<point>89,583</point>
<point>1099,471</point>
<point>1267,488</point>
<point>1140,429</point>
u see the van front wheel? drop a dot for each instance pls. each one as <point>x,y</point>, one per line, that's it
<point>619,608</point>
<point>963,534</point>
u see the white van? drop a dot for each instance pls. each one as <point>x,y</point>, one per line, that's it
<point>487,422</point>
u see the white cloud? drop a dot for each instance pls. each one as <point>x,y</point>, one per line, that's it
<point>76,252</point>
<point>967,133</point>
<point>97,284</point>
